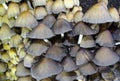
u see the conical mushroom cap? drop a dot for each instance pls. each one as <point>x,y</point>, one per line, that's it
<point>105,57</point>
<point>88,69</point>
<point>74,50</point>
<point>48,6</point>
<point>6,32</point>
<point>114,13</point>
<point>69,64</point>
<point>94,14</point>
<point>2,10</point>
<point>55,53</point>
<point>70,4</point>
<point>39,2</point>
<point>41,32</point>
<point>105,39</point>
<point>83,57</point>
<point>24,7</point>
<point>82,28</point>
<point>21,70</point>
<point>49,20</point>
<point>13,10</point>
<point>37,48</point>
<point>25,79</point>
<point>66,76</point>
<point>26,16</point>
<point>87,42</point>
<point>40,13</point>
<point>61,26</point>
<point>45,69</point>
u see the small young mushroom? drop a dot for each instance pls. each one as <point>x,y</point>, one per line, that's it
<point>105,57</point>
<point>21,70</point>
<point>37,47</point>
<point>70,4</point>
<point>48,6</point>
<point>78,16</point>
<point>61,26</point>
<point>26,16</point>
<point>62,16</point>
<point>40,13</point>
<point>87,42</point>
<point>76,2</point>
<point>49,20</point>
<point>39,2</point>
<point>56,53</point>
<point>2,10</point>
<point>24,7</point>
<point>94,14</point>
<point>13,10</point>
<point>45,69</point>
<point>88,69</point>
<point>58,6</point>
<point>105,39</point>
<point>83,57</point>
<point>69,64</point>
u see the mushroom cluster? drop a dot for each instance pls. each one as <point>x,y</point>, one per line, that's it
<point>55,40</point>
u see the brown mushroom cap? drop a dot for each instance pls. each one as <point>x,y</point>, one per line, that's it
<point>87,42</point>
<point>61,26</point>
<point>82,28</point>
<point>56,53</point>
<point>69,64</point>
<point>36,48</point>
<point>45,69</point>
<point>21,70</point>
<point>88,69</point>
<point>83,57</point>
<point>105,39</point>
<point>105,57</point>
<point>94,14</point>
<point>41,32</point>
<point>26,16</point>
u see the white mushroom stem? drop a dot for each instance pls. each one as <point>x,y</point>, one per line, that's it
<point>79,76</point>
<point>5,6</point>
<point>62,35</point>
<point>80,38</point>
<point>117,43</point>
<point>47,41</point>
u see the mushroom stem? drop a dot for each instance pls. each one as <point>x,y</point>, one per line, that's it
<point>80,38</point>
<point>117,43</point>
<point>47,41</point>
<point>79,77</point>
<point>62,35</point>
<point>5,6</point>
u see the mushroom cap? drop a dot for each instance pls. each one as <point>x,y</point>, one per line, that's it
<point>56,53</point>
<point>40,13</point>
<point>74,50</point>
<point>105,57</point>
<point>105,39</point>
<point>88,69</point>
<point>13,10</point>
<point>69,64</point>
<point>78,16</point>
<point>66,76</point>
<point>45,69</point>
<point>39,2</point>
<point>87,42</point>
<point>49,20</point>
<point>114,13</point>
<point>36,48</point>
<point>58,6</point>
<point>26,16</point>
<point>76,2</point>
<point>28,60</point>
<point>24,7</point>
<point>41,32</point>
<point>61,26</point>
<point>3,67</point>
<point>48,6</point>
<point>94,14</point>
<point>21,70</point>
<point>83,57</point>
<point>2,10</point>
<point>6,32</point>
<point>70,4</point>
<point>82,28</point>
